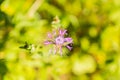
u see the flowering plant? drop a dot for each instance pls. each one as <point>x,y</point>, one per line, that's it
<point>58,38</point>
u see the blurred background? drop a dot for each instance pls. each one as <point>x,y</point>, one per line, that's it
<point>94,26</point>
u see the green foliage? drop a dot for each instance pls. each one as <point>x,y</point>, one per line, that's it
<point>94,26</point>
<point>3,68</point>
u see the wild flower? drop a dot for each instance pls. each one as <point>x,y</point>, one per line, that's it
<point>58,40</point>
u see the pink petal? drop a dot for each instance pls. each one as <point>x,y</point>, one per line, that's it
<point>70,48</point>
<point>47,42</point>
<point>62,32</point>
<point>49,35</point>
<point>69,40</point>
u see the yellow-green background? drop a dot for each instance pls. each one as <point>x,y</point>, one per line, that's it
<point>94,26</point>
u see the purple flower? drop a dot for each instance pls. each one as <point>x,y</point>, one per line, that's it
<point>58,40</point>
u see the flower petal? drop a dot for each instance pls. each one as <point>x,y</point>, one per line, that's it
<point>47,42</point>
<point>69,40</point>
<point>59,40</point>
<point>49,35</point>
<point>70,48</point>
<point>62,32</point>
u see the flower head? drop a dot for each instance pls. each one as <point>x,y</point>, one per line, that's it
<point>58,40</point>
